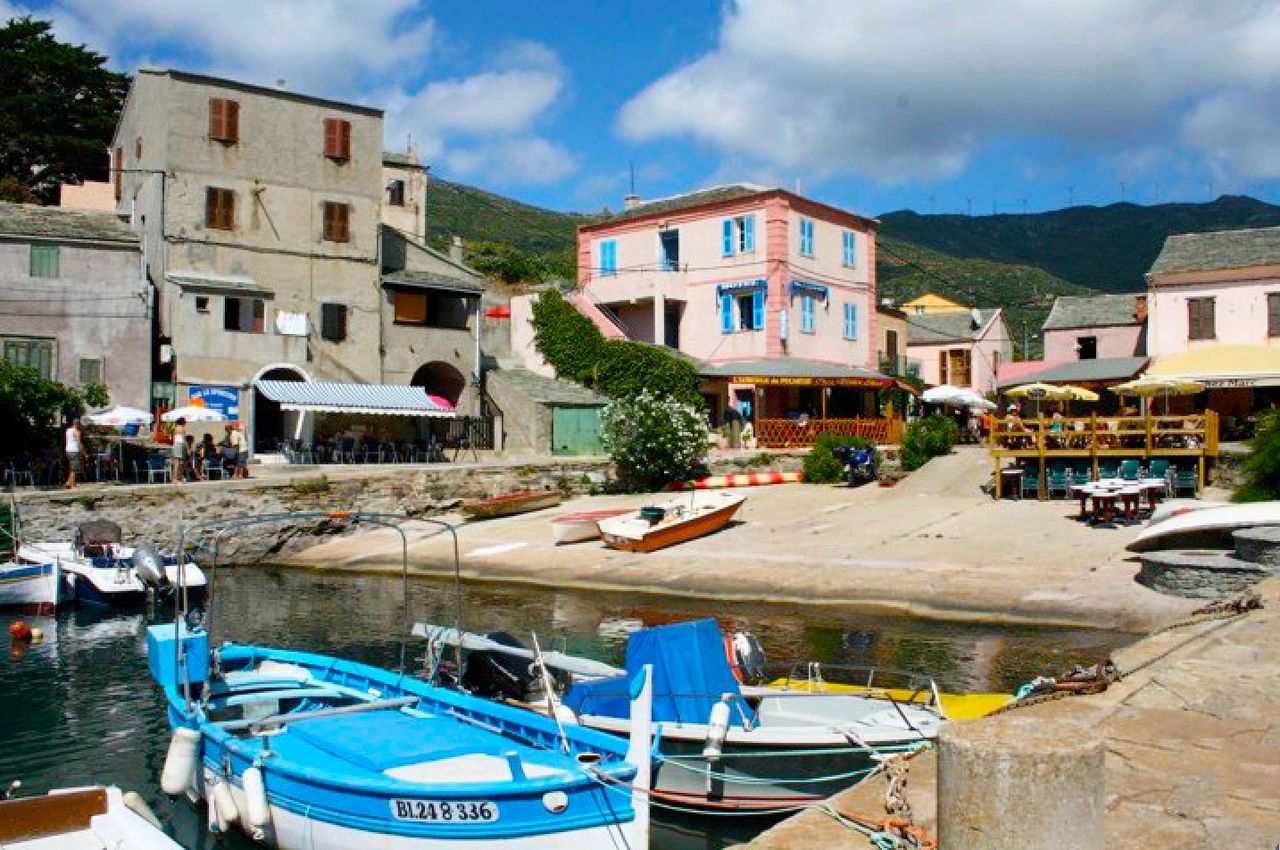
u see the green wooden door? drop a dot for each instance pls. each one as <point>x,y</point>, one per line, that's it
<point>576,431</point>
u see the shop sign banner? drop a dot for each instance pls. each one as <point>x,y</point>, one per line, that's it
<point>225,400</point>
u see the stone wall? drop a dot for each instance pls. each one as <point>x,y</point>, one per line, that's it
<point>156,513</point>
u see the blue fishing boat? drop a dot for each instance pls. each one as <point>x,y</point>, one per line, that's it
<point>313,752</point>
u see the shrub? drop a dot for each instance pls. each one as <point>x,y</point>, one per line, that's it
<point>1262,466</point>
<point>928,437</point>
<point>654,439</point>
<point>30,407</point>
<point>821,466</point>
<point>576,349</point>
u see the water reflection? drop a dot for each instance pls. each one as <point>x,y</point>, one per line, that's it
<point>79,707</point>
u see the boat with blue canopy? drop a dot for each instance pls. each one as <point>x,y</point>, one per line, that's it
<point>313,752</point>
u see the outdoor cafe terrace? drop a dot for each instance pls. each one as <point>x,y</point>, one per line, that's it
<point>1094,440</point>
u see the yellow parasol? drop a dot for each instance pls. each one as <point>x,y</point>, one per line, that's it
<point>1038,391</point>
<point>1148,386</point>
<point>1080,393</point>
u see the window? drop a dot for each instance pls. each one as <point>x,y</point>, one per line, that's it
<point>337,139</point>
<point>806,237</point>
<point>739,235</point>
<point>890,340</point>
<point>202,303</point>
<point>1087,347</point>
<point>36,353</point>
<point>244,315</point>
<point>220,209</point>
<point>395,193</point>
<point>806,314</point>
<point>333,322</point>
<point>953,367</point>
<point>90,371</point>
<point>1200,315</point>
<point>850,242</point>
<point>224,120</point>
<point>851,327</point>
<point>337,221</point>
<point>45,260</point>
<point>746,312</point>
<point>411,308</point>
<point>669,249</point>
<point>608,257</point>
<point>1273,314</point>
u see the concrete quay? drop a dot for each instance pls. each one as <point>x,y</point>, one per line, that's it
<point>935,545</point>
<point>1192,743</point>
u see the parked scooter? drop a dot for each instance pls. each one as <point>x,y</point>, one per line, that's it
<point>859,464</point>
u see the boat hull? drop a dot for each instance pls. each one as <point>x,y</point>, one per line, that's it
<point>109,583</point>
<point>1210,528</point>
<point>669,534</point>
<point>30,588</point>
<point>511,504</point>
<point>582,526</point>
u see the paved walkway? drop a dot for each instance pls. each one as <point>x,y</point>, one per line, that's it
<point>934,545</point>
<point>1193,745</point>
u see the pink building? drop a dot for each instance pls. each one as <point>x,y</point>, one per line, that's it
<point>1096,327</point>
<point>962,348</point>
<point>1214,315</point>
<point>773,293</point>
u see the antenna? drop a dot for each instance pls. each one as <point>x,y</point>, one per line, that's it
<point>633,176</point>
<point>1124,190</point>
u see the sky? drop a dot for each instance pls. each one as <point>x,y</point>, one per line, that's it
<point>934,105</point>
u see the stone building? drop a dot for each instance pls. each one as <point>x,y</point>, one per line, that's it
<point>73,300</point>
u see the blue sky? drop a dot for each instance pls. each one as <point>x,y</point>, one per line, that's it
<point>925,104</point>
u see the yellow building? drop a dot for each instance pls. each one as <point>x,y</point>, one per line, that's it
<point>931,304</point>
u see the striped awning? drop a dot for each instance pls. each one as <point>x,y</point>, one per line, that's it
<point>377,399</point>
<point>741,286</point>
<point>805,287</point>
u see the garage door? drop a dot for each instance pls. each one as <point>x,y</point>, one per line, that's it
<point>576,431</point>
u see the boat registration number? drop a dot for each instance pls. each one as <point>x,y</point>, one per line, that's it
<point>453,811</point>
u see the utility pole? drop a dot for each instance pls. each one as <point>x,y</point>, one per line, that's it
<point>1026,346</point>
<point>1124,190</point>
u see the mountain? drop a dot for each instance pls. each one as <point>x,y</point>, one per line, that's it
<point>1107,248</point>
<point>480,216</point>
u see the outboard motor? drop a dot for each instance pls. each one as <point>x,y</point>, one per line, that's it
<point>148,564</point>
<point>749,654</point>
<point>497,674</point>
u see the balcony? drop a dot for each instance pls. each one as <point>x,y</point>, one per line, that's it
<point>898,366</point>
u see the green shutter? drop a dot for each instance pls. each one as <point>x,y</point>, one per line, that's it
<point>45,261</point>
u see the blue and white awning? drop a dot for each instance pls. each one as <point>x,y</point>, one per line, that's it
<point>741,286</point>
<point>804,287</point>
<point>377,399</point>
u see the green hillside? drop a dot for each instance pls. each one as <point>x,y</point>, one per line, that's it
<point>480,216</point>
<point>1107,248</point>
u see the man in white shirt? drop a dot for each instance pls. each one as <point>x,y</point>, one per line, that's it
<point>241,446</point>
<point>74,447</point>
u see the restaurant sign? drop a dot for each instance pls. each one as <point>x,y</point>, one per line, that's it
<point>777,381</point>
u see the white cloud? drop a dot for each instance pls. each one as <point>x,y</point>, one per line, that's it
<point>493,102</point>
<point>914,89</point>
<point>522,160</point>
<point>1237,130</point>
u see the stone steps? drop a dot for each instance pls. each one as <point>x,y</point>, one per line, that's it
<point>1214,573</point>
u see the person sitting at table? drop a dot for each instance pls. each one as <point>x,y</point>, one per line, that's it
<point>1057,426</point>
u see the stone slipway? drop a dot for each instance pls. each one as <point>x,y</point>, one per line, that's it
<point>1192,745</point>
<point>934,546</point>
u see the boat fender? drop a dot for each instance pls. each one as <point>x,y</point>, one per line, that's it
<point>148,565</point>
<point>258,812</point>
<point>228,811</point>
<point>747,658</point>
<point>179,771</point>
<point>217,818</point>
<point>717,728</point>
<point>133,802</point>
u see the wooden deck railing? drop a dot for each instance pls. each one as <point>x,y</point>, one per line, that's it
<point>796,433</point>
<point>1093,437</point>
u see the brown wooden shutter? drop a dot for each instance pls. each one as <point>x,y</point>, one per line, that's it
<point>337,139</point>
<point>119,173</point>
<point>220,209</point>
<point>224,120</point>
<point>1273,314</point>
<point>337,222</point>
<point>942,367</point>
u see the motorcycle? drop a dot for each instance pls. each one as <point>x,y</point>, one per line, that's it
<point>859,464</point>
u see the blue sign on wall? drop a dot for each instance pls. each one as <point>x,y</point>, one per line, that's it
<point>225,400</point>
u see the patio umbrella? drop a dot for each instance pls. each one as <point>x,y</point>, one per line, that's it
<point>942,394</point>
<point>119,416</point>
<point>1080,394</point>
<point>1147,386</point>
<point>192,413</point>
<point>1038,391</point>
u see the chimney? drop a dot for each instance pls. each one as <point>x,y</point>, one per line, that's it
<point>1140,309</point>
<point>630,202</point>
<point>455,249</point>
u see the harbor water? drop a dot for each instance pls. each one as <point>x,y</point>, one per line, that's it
<point>79,708</point>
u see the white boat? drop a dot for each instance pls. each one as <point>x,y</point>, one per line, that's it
<point>673,521</point>
<point>1210,528</point>
<point>721,746</point>
<point>33,588</point>
<point>98,570</point>
<point>95,818</point>
<point>1170,508</point>
<point>581,526</point>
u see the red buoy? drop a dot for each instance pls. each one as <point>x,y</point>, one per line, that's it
<point>18,630</point>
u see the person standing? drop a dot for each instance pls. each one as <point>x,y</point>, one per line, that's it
<point>178,451</point>
<point>734,420</point>
<point>241,447</point>
<point>74,446</point>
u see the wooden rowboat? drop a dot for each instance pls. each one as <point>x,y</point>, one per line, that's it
<point>583,525</point>
<point>509,504</point>
<point>670,522</point>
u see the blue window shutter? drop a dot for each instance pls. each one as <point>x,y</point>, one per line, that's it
<point>848,248</point>
<point>608,257</point>
<point>728,237</point>
<point>726,313</point>
<point>851,320</point>
<point>757,309</point>
<point>748,234</point>
<point>806,313</point>
<point>806,236</point>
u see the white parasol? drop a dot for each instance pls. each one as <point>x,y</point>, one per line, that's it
<point>192,413</point>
